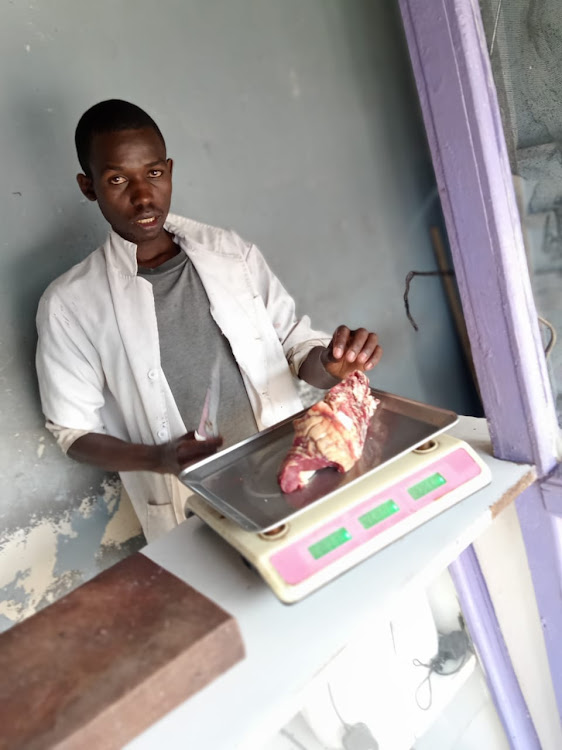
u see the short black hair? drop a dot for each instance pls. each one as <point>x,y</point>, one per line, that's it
<point>109,116</point>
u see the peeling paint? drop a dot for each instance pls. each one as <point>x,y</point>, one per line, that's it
<point>50,557</point>
<point>124,524</point>
<point>27,563</point>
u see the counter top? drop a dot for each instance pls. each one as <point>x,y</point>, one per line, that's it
<point>287,645</point>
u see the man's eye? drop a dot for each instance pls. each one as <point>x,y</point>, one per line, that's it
<point>155,173</point>
<point>117,179</point>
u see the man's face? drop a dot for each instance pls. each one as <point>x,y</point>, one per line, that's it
<point>131,179</point>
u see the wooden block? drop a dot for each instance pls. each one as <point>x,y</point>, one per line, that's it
<point>105,662</point>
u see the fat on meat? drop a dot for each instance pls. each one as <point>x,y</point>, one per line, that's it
<point>331,433</point>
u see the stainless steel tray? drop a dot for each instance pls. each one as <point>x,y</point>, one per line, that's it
<point>241,482</point>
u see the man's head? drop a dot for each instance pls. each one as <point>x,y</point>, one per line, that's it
<point>123,155</point>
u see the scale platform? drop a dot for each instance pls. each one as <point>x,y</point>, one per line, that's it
<point>410,471</point>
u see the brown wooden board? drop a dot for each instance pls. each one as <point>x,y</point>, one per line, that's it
<point>110,658</point>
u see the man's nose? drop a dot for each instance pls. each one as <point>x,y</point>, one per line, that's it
<point>141,193</point>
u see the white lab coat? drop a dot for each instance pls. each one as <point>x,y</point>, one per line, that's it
<point>98,356</point>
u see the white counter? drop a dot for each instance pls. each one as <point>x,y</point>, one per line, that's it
<point>286,646</point>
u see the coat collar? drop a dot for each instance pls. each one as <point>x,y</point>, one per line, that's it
<point>190,235</point>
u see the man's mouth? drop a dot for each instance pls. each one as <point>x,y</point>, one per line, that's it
<point>147,221</point>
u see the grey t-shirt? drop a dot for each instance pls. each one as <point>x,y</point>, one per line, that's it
<point>189,340</point>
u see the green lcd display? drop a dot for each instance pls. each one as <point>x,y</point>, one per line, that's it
<point>426,486</point>
<point>378,514</point>
<point>329,543</point>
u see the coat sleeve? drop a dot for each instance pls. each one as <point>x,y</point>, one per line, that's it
<point>71,379</point>
<point>295,333</point>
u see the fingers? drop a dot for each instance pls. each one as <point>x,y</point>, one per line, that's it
<point>339,341</point>
<point>356,346</point>
<point>374,359</point>
<point>188,448</point>
<point>209,445</point>
<point>190,437</point>
<point>352,350</point>
<point>368,342</point>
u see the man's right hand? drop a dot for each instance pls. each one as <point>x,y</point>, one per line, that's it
<point>112,454</point>
<point>184,451</point>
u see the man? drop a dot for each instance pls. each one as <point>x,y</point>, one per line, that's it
<point>128,337</point>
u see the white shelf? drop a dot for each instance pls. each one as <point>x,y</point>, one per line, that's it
<point>445,689</point>
<point>287,646</point>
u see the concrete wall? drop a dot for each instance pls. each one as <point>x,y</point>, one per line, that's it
<point>526,60</point>
<point>296,123</point>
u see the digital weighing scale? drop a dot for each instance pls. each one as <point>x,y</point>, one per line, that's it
<point>409,472</point>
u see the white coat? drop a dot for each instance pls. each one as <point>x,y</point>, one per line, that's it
<point>98,356</point>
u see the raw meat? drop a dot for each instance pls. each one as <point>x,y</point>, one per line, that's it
<point>331,433</point>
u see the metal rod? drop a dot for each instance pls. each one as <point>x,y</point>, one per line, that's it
<point>478,612</point>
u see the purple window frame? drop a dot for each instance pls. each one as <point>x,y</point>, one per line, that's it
<point>464,129</point>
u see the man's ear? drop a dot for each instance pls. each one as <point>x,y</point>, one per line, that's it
<point>86,185</point>
<point>170,163</point>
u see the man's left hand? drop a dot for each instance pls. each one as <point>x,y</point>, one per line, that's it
<point>351,350</point>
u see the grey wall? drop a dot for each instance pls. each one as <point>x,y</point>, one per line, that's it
<point>294,122</point>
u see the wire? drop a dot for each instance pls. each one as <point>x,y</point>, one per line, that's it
<point>435,666</point>
<point>448,645</point>
<point>344,723</point>
<point>427,678</point>
<point>550,346</point>
<point>552,330</point>
<point>409,278</point>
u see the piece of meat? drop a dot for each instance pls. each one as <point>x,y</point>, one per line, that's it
<point>331,433</point>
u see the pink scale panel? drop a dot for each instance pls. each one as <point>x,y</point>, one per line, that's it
<point>337,537</point>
